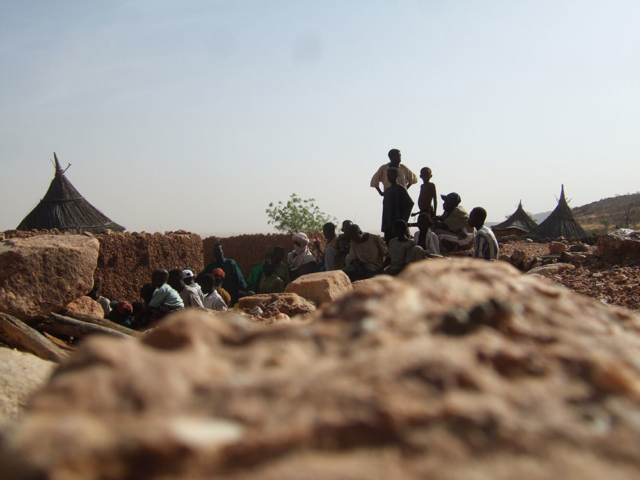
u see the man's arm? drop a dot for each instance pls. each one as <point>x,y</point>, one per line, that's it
<point>195,301</point>
<point>353,254</point>
<point>381,246</point>
<point>410,177</point>
<point>158,297</point>
<point>377,178</point>
<point>241,283</point>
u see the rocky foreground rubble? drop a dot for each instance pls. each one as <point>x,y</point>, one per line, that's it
<point>457,369</point>
<point>608,271</point>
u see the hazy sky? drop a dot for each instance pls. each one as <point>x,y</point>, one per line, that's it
<point>196,114</point>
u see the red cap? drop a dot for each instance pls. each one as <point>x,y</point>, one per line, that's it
<point>124,308</point>
<point>218,272</point>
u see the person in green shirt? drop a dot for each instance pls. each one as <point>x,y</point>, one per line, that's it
<point>253,280</point>
<point>270,282</point>
<point>281,269</point>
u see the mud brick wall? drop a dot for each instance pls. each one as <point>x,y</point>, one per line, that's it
<point>126,260</point>
<point>249,250</point>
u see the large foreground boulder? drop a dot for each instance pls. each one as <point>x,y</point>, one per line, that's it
<point>321,287</point>
<point>456,369</point>
<point>42,274</point>
<point>20,375</point>
<point>619,246</point>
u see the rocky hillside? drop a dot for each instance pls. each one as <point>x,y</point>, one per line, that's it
<point>620,211</point>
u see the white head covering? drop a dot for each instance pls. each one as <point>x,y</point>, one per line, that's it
<point>301,252</point>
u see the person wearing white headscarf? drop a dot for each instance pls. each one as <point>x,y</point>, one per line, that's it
<point>301,261</point>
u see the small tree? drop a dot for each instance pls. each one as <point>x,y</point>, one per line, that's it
<point>628,213</point>
<point>297,215</point>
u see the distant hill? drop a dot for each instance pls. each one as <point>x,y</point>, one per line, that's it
<point>541,217</point>
<point>622,211</point>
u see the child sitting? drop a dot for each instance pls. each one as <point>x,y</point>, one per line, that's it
<point>212,299</point>
<point>270,282</point>
<point>486,245</point>
<point>400,248</point>
<point>164,299</point>
<point>426,241</point>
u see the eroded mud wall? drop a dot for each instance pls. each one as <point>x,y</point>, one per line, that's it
<point>249,250</point>
<point>126,260</point>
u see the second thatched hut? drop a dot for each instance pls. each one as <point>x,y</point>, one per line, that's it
<point>560,223</point>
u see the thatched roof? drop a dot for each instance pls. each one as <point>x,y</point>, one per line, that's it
<point>520,220</point>
<point>65,209</point>
<point>560,223</point>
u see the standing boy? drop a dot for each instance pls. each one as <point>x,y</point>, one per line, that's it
<point>428,199</point>
<point>486,244</point>
<point>397,204</point>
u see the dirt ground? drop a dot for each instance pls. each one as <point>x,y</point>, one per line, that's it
<point>611,284</point>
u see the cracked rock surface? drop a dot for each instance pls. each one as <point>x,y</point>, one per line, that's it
<point>456,369</point>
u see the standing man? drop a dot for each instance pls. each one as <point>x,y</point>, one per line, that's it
<point>406,177</point>
<point>233,280</point>
<point>397,204</point>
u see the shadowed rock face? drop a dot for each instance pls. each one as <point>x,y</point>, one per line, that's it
<point>456,369</point>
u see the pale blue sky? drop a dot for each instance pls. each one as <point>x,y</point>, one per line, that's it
<point>196,114</point>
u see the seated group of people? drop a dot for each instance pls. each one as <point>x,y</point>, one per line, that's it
<point>168,291</point>
<point>358,254</point>
<point>454,228</point>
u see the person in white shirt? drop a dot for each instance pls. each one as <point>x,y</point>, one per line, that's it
<point>427,243</point>
<point>212,299</point>
<point>188,293</point>
<point>189,279</point>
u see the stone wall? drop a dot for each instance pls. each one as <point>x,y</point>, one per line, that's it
<point>126,260</point>
<point>249,250</point>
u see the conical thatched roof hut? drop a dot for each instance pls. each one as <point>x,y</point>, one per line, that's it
<point>65,209</point>
<point>518,224</point>
<point>560,223</point>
